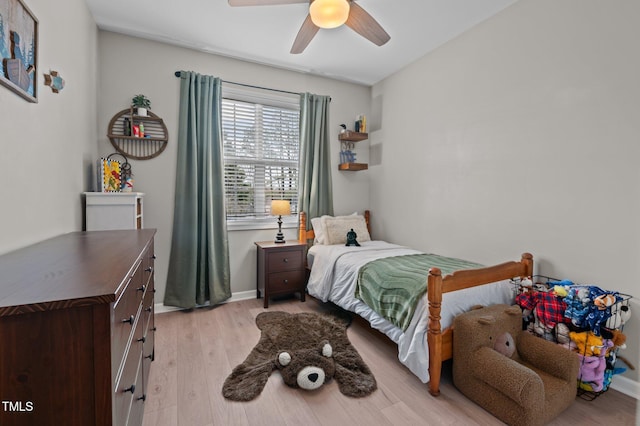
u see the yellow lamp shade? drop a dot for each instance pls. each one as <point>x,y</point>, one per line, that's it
<point>280,207</point>
<point>329,13</point>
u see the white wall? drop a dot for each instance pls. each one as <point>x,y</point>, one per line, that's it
<point>47,147</point>
<point>520,135</point>
<point>131,65</point>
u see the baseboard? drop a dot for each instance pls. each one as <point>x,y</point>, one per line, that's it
<point>626,386</point>
<point>242,295</point>
<point>161,308</point>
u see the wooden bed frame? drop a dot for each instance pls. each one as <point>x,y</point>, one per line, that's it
<point>440,341</point>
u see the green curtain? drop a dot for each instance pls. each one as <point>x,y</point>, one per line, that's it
<point>199,260</point>
<point>316,193</point>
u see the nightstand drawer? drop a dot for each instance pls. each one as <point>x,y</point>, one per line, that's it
<point>285,260</point>
<point>285,281</point>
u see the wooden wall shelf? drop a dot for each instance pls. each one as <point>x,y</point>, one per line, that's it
<point>134,147</point>
<point>354,167</point>
<point>347,139</point>
<point>353,136</point>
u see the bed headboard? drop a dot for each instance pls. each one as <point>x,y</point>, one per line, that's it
<point>304,235</point>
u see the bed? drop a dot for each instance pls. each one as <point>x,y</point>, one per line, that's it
<point>333,276</point>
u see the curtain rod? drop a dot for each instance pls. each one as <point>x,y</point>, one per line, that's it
<point>177,74</point>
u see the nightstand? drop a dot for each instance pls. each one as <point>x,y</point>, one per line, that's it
<point>280,269</point>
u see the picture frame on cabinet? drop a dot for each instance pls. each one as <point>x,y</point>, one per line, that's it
<point>19,49</point>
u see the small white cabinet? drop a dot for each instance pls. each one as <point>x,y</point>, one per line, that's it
<point>113,210</point>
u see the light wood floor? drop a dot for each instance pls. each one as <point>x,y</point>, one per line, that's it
<point>196,351</point>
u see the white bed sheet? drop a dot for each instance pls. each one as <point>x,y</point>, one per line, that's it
<point>333,278</point>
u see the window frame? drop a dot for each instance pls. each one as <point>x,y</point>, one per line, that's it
<point>269,98</point>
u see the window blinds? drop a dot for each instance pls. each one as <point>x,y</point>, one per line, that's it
<point>261,152</point>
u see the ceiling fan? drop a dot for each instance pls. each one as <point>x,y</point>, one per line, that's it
<point>328,14</point>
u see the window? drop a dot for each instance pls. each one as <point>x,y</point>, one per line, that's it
<point>261,152</point>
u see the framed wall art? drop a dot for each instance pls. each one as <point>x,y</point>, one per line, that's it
<point>19,49</point>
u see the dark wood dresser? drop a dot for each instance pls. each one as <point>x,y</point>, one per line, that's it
<point>77,329</point>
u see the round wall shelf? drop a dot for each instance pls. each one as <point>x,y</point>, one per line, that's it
<point>122,136</point>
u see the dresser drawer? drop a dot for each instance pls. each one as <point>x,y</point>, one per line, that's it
<point>126,385</point>
<point>137,404</point>
<point>285,281</point>
<point>124,314</point>
<point>284,260</point>
<point>148,265</point>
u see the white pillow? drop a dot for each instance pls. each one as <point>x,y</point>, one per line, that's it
<point>336,228</point>
<point>318,228</point>
<point>316,224</point>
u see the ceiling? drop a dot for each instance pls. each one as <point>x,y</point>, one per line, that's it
<point>264,34</point>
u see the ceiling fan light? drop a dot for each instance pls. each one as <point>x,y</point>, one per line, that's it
<point>329,13</point>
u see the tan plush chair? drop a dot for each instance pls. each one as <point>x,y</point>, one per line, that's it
<point>533,386</point>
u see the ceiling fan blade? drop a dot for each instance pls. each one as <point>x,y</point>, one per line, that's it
<point>307,31</point>
<point>364,24</point>
<point>235,3</point>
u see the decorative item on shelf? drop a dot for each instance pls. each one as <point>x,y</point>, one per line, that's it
<point>141,103</point>
<point>126,174</point>
<point>54,81</point>
<point>347,156</point>
<point>109,177</point>
<point>280,208</point>
<point>343,128</point>
<point>361,124</point>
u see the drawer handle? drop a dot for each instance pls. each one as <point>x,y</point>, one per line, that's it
<point>141,288</point>
<point>150,356</point>
<point>148,309</point>
<point>142,339</point>
<point>285,260</point>
<point>149,269</point>
<point>285,281</point>
<point>143,398</point>
<point>154,329</point>
<point>131,389</point>
<point>153,256</point>
<point>129,320</point>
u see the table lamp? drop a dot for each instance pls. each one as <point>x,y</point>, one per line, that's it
<point>280,208</point>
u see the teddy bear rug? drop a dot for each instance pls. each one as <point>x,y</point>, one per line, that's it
<point>308,349</point>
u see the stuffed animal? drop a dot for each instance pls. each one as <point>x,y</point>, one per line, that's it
<point>617,338</point>
<point>591,376</point>
<point>351,239</point>
<point>587,343</point>
<point>505,345</point>
<point>603,301</point>
<point>620,314</point>
<point>577,301</point>
<point>560,291</point>
<point>308,349</point>
<point>541,329</point>
<point>599,311</point>
<point>548,309</point>
<point>561,333</point>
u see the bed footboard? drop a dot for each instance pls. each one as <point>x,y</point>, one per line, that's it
<point>440,341</point>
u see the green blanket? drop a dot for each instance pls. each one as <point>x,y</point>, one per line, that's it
<point>392,286</point>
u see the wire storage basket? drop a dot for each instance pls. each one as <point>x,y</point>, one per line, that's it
<point>583,318</point>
